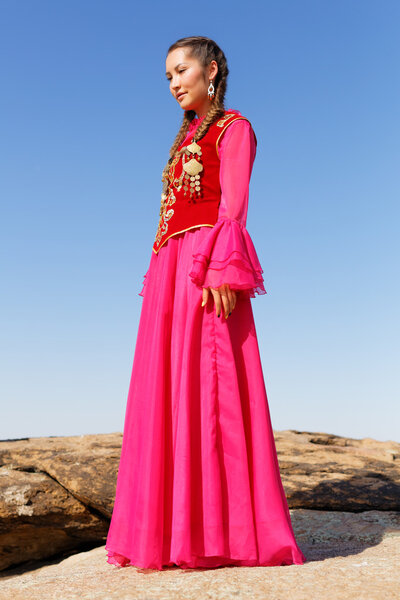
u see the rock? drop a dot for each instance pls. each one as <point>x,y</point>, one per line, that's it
<point>350,556</point>
<point>57,493</point>
<point>40,518</point>
<point>330,472</point>
<point>85,465</point>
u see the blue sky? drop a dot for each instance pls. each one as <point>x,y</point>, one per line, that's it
<point>86,123</point>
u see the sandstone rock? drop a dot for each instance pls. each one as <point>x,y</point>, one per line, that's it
<point>40,518</point>
<point>330,472</point>
<point>57,493</point>
<point>350,556</point>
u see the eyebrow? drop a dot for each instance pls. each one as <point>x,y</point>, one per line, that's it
<point>178,65</point>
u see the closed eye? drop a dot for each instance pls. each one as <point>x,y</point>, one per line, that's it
<point>181,71</point>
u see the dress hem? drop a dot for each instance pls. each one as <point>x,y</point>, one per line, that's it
<point>121,560</point>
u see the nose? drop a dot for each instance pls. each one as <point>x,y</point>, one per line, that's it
<point>175,89</point>
<point>174,83</point>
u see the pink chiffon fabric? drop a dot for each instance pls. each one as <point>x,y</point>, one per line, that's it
<point>198,482</point>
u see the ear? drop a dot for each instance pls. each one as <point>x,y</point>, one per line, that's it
<point>213,69</point>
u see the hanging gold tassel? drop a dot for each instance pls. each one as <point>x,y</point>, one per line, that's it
<point>192,170</point>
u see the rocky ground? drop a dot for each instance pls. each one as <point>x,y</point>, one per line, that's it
<point>56,497</point>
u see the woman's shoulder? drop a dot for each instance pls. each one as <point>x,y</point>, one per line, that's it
<point>235,112</point>
<point>237,135</point>
<point>235,119</point>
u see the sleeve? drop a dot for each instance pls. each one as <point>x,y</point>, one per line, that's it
<point>227,254</point>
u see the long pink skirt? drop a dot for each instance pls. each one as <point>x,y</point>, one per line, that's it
<point>198,481</point>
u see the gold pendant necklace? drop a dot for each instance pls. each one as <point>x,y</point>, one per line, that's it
<point>192,170</point>
<point>189,178</point>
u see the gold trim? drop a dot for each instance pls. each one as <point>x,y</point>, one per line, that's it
<point>224,119</point>
<point>226,126</point>
<point>176,233</point>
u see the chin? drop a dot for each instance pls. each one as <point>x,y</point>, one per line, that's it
<point>187,103</point>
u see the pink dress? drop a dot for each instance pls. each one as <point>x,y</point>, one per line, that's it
<point>198,481</point>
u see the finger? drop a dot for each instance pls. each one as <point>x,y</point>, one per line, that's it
<point>205,296</point>
<point>231,300</point>
<point>217,300</point>
<point>226,290</point>
<point>223,290</point>
<point>234,298</point>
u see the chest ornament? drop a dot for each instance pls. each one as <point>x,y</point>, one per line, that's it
<point>191,169</point>
<point>188,157</point>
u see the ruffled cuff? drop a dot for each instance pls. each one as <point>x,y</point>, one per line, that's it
<point>227,255</point>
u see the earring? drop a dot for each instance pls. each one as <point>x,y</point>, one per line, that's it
<point>211,90</point>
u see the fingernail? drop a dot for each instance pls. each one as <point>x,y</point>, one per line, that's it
<point>203,303</point>
<point>230,314</point>
<point>219,315</point>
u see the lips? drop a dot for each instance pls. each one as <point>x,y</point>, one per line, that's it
<point>179,96</point>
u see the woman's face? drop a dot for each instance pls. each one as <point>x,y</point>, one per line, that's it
<point>188,82</point>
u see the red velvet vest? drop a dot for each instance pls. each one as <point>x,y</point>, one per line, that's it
<point>194,193</point>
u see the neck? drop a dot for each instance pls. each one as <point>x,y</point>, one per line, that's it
<point>204,108</point>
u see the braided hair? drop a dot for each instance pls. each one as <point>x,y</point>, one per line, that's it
<point>205,50</point>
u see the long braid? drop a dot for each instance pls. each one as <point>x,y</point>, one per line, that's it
<point>205,50</point>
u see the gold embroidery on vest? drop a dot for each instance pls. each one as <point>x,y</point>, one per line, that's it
<point>167,199</point>
<point>189,178</point>
<point>190,174</point>
<point>224,119</point>
<point>165,215</point>
<point>181,231</point>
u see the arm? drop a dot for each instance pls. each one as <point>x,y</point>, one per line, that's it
<point>237,152</point>
<point>227,256</point>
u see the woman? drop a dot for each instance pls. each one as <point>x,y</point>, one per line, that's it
<point>198,481</point>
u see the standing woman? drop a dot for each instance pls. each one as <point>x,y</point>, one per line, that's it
<point>198,481</point>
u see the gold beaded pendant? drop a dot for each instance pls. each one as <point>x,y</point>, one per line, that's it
<point>192,170</point>
<point>189,178</point>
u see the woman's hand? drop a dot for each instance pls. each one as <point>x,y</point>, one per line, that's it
<point>222,296</point>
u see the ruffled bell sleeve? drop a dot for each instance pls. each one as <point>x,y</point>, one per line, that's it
<point>227,254</point>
